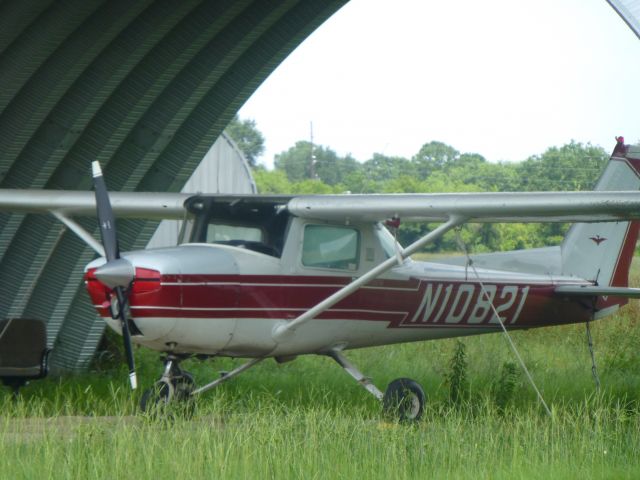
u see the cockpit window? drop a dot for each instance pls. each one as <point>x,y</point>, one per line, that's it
<point>257,224</point>
<point>327,246</point>
<point>223,233</point>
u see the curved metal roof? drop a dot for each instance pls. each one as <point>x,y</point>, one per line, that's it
<point>629,11</point>
<point>143,86</point>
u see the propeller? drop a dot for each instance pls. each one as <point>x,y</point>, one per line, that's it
<point>117,273</point>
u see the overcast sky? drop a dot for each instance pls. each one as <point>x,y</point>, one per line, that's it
<point>503,78</point>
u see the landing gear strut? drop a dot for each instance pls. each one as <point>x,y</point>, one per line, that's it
<point>404,399</point>
<point>177,386</point>
<point>174,385</point>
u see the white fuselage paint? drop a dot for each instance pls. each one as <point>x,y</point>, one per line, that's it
<point>442,311</point>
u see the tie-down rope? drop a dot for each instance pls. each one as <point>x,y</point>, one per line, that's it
<point>463,246</point>
<point>594,368</point>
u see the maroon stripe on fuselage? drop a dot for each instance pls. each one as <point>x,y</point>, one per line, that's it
<point>414,303</point>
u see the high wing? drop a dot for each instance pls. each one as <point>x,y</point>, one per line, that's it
<point>592,206</point>
<point>81,203</point>
<point>66,204</point>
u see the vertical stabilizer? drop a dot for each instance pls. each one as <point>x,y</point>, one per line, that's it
<point>602,252</point>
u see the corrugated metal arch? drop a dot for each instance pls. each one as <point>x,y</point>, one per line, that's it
<point>145,87</point>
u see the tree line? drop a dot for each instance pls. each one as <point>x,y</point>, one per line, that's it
<point>437,167</point>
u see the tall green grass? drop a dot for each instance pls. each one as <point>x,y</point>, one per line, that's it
<point>308,419</point>
<point>267,439</point>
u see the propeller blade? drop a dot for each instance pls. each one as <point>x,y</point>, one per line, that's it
<point>126,337</point>
<point>106,219</point>
<point>117,273</point>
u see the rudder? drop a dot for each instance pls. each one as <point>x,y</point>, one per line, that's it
<point>602,252</point>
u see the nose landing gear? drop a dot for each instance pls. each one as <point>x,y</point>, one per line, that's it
<point>174,387</point>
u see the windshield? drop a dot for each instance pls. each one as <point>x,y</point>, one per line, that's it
<point>224,233</point>
<point>386,240</point>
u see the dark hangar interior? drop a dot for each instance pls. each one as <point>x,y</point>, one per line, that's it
<point>143,86</point>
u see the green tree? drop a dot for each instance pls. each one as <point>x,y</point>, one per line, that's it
<point>247,137</point>
<point>276,182</point>
<point>433,156</point>
<point>381,167</point>
<point>295,162</point>
<point>333,169</point>
<point>272,181</point>
<point>573,166</point>
<point>468,161</point>
<point>306,161</point>
<point>441,168</point>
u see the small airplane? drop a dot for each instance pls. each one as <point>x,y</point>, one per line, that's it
<point>279,276</point>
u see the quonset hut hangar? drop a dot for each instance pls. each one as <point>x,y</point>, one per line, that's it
<point>143,86</point>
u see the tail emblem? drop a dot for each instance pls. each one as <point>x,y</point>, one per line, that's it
<point>597,239</point>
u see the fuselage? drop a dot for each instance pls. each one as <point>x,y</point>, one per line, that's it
<point>225,300</point>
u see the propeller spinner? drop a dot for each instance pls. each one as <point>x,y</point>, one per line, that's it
<point>117,273</point>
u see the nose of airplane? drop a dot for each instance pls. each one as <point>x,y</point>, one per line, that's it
<point>116,273</point>
<point>156,279</point>
<point>140,272</point>
<point>152,294</point>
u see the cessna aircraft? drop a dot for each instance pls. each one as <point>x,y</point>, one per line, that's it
<point>262,277</point>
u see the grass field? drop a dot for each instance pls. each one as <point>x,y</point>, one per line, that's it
<point>308,419</point>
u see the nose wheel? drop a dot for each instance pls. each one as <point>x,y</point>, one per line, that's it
<point>174,388</point>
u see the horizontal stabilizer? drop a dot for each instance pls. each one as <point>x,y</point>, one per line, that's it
<point>594,290</point>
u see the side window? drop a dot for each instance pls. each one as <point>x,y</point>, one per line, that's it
<point>327,246</point>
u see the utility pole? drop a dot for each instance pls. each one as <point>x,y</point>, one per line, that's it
<point>312,169</point>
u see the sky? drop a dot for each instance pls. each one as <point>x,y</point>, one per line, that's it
<point>503,78</point>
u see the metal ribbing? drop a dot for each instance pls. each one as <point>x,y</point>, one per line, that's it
<point>42,152</point>
<point>262,56</point>
<point>50,102</point>
<point>33,48</point>
<point>215,110</point>
<point>15,17</point>
<point>629,10</point>
<point>194,70</point>
<point>20,263</point>
<point>143,86</point>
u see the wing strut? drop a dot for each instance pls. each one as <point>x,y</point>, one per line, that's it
<point>285,331</point>
<point>85,236</point>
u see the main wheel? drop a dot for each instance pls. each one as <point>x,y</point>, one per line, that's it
<point>404,400</point>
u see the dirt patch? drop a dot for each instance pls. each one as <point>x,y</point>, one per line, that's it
<point>31,429</point>
<point>63,427</point>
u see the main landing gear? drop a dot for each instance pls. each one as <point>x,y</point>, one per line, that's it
<point>403,400</point>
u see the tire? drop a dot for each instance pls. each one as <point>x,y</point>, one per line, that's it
<point>404,400</point>
<point>184,405</point>
<point>183,386</point>
<point>154,400</point>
